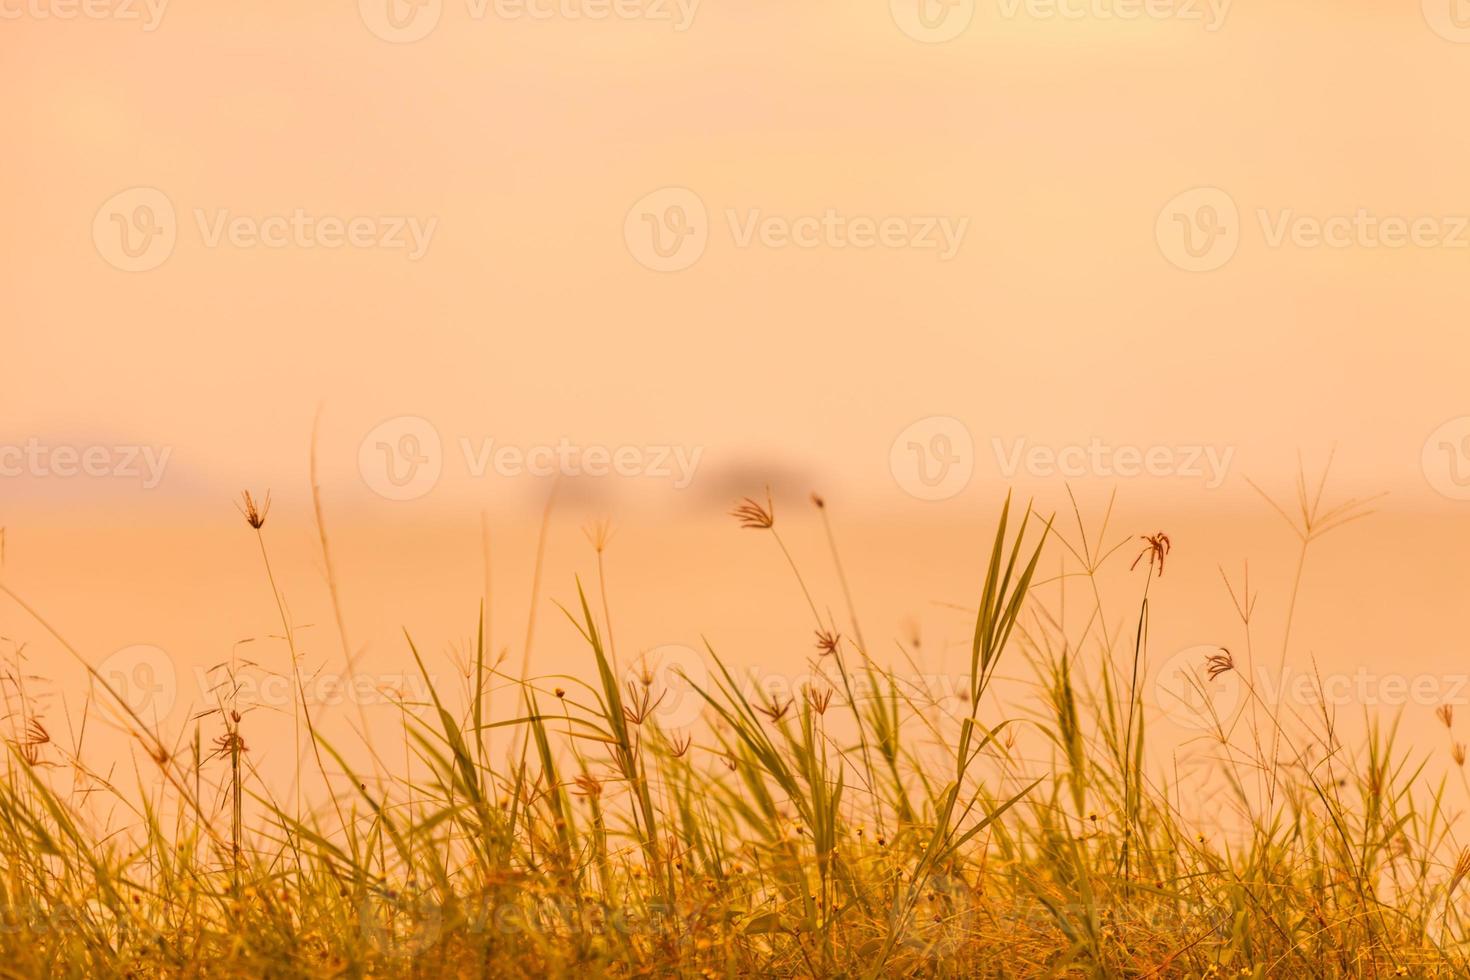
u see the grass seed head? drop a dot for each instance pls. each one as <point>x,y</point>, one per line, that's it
<point>775,710</point>
<point>752,515</point>
<point>255,511</point>
<point>1219,663</point>
<point>1156,548</point>
<point>818,699</point>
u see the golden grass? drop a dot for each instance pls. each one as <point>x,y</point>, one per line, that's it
<point>856,829</point>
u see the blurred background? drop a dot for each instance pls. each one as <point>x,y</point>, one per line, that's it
<point>640,259</point>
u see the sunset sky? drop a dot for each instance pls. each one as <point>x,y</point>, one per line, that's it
<point>527,319</point>
<point>813,245</point>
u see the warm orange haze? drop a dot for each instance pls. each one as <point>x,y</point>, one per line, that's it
<point>914,488</point>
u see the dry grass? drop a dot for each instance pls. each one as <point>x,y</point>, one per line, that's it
<point>858,828</point>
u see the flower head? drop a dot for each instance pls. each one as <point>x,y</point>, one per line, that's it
<point>752,515</point>
<point>1156,548</point>
<point>255,511</point>
<point>1219,663</point>
<point>818,699</point>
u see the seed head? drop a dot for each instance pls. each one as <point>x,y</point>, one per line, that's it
<point>641,703</point>
<point>255,511</point>
<point>599,533</point>
<point>228,744</point>
<point>1219,663</point>
<point>752,515</point>
<point>818,699</point>
<point>776,710</point>
<point>1156,548</point>
<point>35,737</point>
<point>1462,868</point>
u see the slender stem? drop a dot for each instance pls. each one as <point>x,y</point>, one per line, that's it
<point>291,648</point>
<point>536,577</point>
<point>349,658</point>
<point>612,646</point>
<point>799,580</point>
<point>299,708</point>
<point>857,629</point>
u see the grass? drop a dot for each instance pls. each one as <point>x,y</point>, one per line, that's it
<point>857,828</point>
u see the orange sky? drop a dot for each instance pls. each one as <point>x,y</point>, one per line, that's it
<point>525,143</point>
<point>1161,254</point>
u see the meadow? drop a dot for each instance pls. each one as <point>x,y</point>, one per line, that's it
<point>856,826</point>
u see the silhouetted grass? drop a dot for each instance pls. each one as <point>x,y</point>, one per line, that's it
<point>858,829</point>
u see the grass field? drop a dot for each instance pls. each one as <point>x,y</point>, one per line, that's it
<point>856,828</point>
